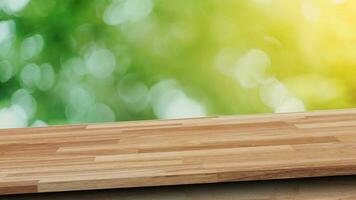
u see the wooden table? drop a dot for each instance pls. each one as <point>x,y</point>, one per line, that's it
<point>174,152</point>
<point>327,188</point>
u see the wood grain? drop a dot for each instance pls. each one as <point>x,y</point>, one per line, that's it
<point>326,188</point>
<point>174,152</point>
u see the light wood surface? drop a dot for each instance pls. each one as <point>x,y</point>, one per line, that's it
<point>328,188</point>
<point>173,152</point>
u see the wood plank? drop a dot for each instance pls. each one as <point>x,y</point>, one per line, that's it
<point>327,188</point>
<point>182,151</point>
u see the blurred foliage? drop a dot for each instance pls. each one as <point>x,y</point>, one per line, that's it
<point>79,61</point>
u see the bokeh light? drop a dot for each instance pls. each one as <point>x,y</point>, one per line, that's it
<point>100,62</point>
<point>170,102</point>
<point>13,117</point>
<point>70,62</point>
<point>13,6</point>
<point>121,11</point>
<point>6,71</point>
<point>6,30</point>
<point>31,47</point>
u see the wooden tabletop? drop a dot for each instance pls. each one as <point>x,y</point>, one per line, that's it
<point>327,188</point>
<point>173,152</point>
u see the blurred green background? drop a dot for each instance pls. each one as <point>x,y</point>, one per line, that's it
<point>85,61</point>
